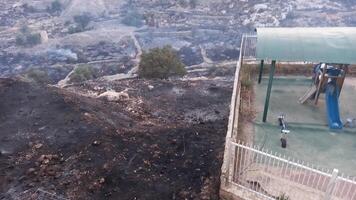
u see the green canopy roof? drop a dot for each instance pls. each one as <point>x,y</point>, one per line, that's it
<point>330,45</point>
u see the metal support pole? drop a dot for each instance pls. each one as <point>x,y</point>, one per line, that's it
<point>261,72</point>
<point>331,186</point>
<point>269,89</point>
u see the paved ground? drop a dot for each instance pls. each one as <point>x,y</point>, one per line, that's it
<point>310,139</point>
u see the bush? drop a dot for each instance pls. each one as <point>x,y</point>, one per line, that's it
<point>245,76</point>
<point>186,3</point>
<point>29,9</point>
<point>133,18</point>
<point>82,20</point>
<point>83,73</point>
<point>161,63</point>
<point>75,29</point>
<point>25,29</point>
<point>183,3</point>
<point>20,40</point>
<point>38,75</point>
<point>282,197</point>
<point>27,38</point>
<point>33,39</point>
<point>81,23</point>
<point>55,7</point>
<point>193,3</point>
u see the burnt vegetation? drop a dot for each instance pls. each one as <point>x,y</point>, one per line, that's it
<point>81,23</point>
<point>27,37</point>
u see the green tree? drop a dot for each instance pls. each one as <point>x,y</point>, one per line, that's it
<point>83,73</point>
<point>161,63</point>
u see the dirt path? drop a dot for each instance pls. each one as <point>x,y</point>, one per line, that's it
<point>133,72</point>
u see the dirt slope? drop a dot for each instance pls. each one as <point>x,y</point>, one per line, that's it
<point>144,147</point>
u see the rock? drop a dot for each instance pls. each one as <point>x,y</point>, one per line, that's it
<point>102,180</point>
<point>44,36</point>
<point>38,146</point>
<point>62,55</point>
<point>96,143</point>
<point>31,171</point>
<point>114,96</point>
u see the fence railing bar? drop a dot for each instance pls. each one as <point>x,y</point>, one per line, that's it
<point>347,180</point>
<point>242,163</point>
<point>236,163</point>
<point>282,159</point>
<point>247,164</point>
<point>344,186</point>
<point>289,169</point>
<point>259,165</point>
<point>310,175</point>
<point>265,168</point>
<point>257,168</point>
<point>325,183</point>
<point>318,182</point>
<point>283,171</point>
<point>335,189</point>
<point>315,178</point>
<point>350,189</point>
<point>354,191</point>
<point>331,186</point>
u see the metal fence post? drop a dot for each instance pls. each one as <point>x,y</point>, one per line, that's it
<point>331,186</point>
<point>229,157</point>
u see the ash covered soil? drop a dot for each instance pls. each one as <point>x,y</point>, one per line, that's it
<point>157,140</point>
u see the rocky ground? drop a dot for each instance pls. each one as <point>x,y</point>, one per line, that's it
<point>203,32</point>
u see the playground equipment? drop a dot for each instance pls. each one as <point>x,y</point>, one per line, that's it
<point>350,123</point>
<point>284,130</point>
<point>329,80</point>
<point>312,45</point>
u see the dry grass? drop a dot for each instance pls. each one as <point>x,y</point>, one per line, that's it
<point>247,112</point>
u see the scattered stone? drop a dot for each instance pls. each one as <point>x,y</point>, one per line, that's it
<point>96,143</point>
<point>38,146</point>
<point>31,171</point>
<point>102,180</point>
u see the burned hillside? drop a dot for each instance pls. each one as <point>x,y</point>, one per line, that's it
<point>147,144</point>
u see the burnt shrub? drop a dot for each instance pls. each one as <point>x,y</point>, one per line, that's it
<point>133,18</point>
<point>26,37</point>
<point>81,23</point>
<point>38,75</point>
<point>55,7</point>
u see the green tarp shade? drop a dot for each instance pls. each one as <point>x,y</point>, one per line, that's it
<point>329,45</point>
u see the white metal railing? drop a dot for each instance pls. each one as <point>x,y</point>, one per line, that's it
<point>249,47</point>
<point>272,176</point>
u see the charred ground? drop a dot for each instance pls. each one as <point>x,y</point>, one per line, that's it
<point>162,141</point>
